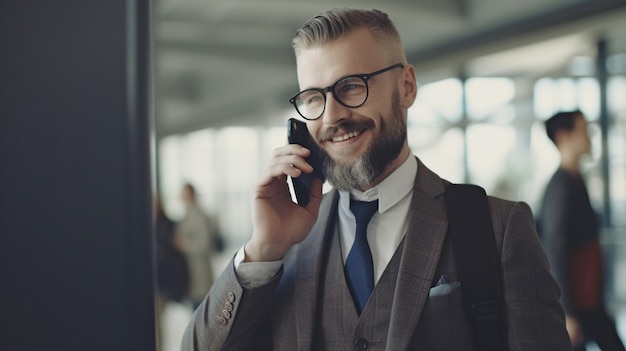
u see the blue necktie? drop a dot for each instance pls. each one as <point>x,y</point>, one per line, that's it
<point>359,265</point>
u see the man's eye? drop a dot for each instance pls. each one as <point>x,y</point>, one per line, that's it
<point>313,99</point>
<point>351,88</point>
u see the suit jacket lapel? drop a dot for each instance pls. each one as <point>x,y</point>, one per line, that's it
<point>311,260</point>
<point>422,249</point>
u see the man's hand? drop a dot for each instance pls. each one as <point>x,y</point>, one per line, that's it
<point>278,222</point>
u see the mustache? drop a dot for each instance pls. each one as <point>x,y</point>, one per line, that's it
<point>346,127</point>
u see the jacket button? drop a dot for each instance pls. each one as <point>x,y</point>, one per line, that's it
<point>360,344</point>
<point>222,321</point>
<point>231,297</point>
<point>226,314</point>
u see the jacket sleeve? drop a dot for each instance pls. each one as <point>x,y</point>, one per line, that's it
<point>535,318</point>
<point>230,315</point>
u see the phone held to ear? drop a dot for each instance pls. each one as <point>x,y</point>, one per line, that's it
<point>297,133</point>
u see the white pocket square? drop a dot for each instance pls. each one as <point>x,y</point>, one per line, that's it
<point>443,287</point>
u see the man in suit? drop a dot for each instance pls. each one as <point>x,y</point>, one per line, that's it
<point>570,232</point>
<point>293,287</point>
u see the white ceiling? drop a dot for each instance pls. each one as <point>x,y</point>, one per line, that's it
<point>230,62</point>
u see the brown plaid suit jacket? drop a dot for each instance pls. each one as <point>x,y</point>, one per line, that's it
<point>281,315</point>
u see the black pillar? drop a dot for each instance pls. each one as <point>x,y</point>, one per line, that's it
<point>464,124</point>
<point>602,76</point>
<point>75,176</point>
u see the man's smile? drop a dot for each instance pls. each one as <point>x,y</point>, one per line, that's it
<point>345,136</point>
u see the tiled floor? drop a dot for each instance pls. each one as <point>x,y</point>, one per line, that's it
<point>176,316</point>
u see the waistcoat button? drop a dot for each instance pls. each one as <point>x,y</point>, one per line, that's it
<point>361,344</point>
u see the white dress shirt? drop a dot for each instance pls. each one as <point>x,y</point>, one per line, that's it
<point>387,227</point>
<point>384,232</point>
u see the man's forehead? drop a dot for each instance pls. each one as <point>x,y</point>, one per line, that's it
<point>354,53</point>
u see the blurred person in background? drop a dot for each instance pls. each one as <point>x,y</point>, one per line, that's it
<point>307,279</point>
<point>570,232</point>
<point>196,236</point>
<point>172,270</point>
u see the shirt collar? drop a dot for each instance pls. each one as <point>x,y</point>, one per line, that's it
<point>391,190</point>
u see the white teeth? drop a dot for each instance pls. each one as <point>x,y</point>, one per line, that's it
<point>345,136</point>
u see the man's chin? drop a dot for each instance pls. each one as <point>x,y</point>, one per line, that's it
<point>344,161</point>
<point>354,173</point>
<point>344,157</point>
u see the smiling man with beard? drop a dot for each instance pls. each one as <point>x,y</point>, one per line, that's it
<point>363,171</point>
<point>368,265</point>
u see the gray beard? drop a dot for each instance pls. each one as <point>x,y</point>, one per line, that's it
<point>355,176</point>
<point>366,169</point>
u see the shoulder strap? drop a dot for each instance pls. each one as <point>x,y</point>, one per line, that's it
<point>473,241</point>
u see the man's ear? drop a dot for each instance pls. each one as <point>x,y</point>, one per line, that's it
<point>408,86</point>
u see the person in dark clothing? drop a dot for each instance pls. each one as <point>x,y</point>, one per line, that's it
<point>172,270</point>
<point>570,235</point>
<point>172,273</point>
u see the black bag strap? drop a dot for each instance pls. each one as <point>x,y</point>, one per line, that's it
<point>474,246</point>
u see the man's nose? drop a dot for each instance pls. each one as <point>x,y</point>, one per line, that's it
<point>334,112</point>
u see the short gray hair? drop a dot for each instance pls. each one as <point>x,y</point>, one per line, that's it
<point>333,24</point>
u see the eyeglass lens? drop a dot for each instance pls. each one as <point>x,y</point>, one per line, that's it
<point>350,91</point>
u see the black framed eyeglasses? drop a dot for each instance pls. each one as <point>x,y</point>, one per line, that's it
<point>350,91</point>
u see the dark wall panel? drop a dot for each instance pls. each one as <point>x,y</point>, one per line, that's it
<point>75,176</point>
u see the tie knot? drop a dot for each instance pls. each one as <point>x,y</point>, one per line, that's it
<point>363,210</point>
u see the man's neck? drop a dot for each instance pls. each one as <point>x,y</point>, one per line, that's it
<point>570,165</point>
<point>392,166</point>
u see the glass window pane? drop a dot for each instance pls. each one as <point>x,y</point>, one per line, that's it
<point>567,94</point>
<point>491,158</point>
<point>487,95</point>
<point>616,94</point>
<point>440,149</point>
<point>170,175</point>
<point>589,98</point>
<point>545,98</point>
<point>422,113</point>
<point>443,98</point>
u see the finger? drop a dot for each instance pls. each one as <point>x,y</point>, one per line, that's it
<point>291,165</point>
<point>291,149</point>
<point>281,170</point>
<point>315,196</point>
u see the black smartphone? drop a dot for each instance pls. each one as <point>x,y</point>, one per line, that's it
<point>297,133</point>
